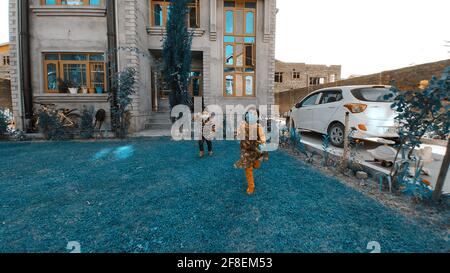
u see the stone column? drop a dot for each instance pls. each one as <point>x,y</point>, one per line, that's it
<point>270,9</point>
<point>213,20</point>
<point>16,96</point>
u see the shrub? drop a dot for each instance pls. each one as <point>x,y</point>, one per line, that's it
<point>420,112</point>
<point>4,122</point>
<point>87,122</point>
<point>125,82</point>
<point>51,126</point>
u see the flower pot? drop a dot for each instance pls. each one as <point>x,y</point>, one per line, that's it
<point>84,90</point>
<point>99,90</point>
<point>73,90</point>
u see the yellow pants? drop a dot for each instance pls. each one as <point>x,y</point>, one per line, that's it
<point>249,176</point>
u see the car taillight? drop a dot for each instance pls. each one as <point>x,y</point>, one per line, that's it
<point>356,107</point>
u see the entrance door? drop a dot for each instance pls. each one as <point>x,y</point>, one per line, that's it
<point>160,92</point>
<point>196,84</point>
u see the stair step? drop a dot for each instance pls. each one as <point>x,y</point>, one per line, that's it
<point>159,126</point>
<point>159,120</point>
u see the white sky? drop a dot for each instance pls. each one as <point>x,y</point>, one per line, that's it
<point>364,36</point>
<point>4,31</point>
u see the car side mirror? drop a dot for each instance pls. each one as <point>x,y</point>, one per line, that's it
<point>298,105</point>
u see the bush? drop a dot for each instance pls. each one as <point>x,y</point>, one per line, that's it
<point>51,126</point>
<point>4,122</point>
<point>87,122</point>
<point>125,82</point>
<point>420,112</point>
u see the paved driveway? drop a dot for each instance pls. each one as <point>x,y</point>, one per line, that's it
<point>154,195</point>
<point>315,140</point>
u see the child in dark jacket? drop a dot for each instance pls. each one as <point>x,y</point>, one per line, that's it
<point>208,132</point>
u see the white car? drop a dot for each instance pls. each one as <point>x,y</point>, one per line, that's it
<point>369,109</point>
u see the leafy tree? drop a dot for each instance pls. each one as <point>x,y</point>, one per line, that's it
<point>420,112</point>
<point>125,82</point>
<point>177,53</point>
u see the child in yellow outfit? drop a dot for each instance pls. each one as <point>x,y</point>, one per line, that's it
<point>251,156</point>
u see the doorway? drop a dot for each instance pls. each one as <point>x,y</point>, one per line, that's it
<point>160,89</point>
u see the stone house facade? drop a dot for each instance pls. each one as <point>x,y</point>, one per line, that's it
<point>290,76</point>
<point>78,44</point>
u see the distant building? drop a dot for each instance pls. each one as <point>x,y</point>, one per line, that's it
<point>290,76</point>
<point>4,61</point>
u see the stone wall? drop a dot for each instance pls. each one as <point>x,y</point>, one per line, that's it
<point>405,78</point>
<point>5,94</point>
<point>16,98</point>
<point>306,72</point>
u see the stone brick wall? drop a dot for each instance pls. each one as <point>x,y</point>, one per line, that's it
<point>272,45</point>
<point>306,72</point>
<point>5,94</point>
<point>405,78</point>
<point>16,99</point>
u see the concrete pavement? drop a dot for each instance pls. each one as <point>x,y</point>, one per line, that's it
<point>315,140</point>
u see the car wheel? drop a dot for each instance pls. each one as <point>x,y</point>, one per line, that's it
<point>337,134</point>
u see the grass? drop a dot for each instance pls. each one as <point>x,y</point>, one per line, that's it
<point>155,195</point>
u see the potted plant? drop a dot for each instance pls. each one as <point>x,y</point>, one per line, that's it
<point>99,89</point>
<point>62,86</point>
<point>72,89</point>
<point>84,90</point>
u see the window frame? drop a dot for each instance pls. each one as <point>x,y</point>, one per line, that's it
<point>279,76</point>
<point>165,4</point>
<point>85,3</point>
<point>323,93</point>
<point>60,69</point>
<point>318,94</point>
<point>240,71</point>
<point>319,79</point>
<point>6,60</point>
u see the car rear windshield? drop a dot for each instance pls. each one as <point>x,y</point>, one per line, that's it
<point>374,94</point>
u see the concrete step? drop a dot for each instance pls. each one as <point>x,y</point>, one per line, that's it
<point>158,126</point>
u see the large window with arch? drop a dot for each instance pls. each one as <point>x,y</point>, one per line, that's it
<point>72,2</point>
<point>160,13</point>
<point>83,72</point>
<point>239,43</point>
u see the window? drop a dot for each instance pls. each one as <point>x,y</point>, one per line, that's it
<point>316,80</point>
<point>160,12</point>
<point>279,77</point>
<point>84,71</point>
<point>195,83</point>
<point>331,96</point>
<point>311,100</point>
<point>72,2</point>
<point>239,48</point>
<point>6,60</point>
<point>295,75</point>
<point>374,94</point>
<point>333,78</point>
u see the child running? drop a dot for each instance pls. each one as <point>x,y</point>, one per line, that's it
<point>251,156</point>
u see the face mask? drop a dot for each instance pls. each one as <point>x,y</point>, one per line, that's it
<point>252,119</point>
